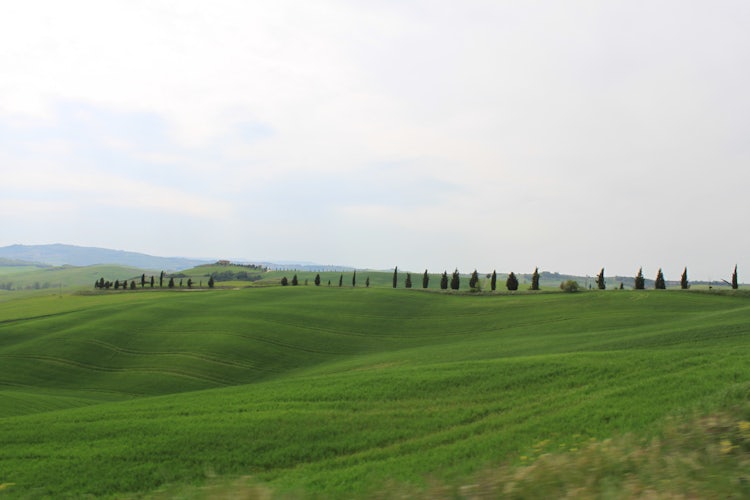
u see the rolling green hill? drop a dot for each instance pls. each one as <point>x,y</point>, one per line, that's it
<point>339,392</point>
<point>38,278</point>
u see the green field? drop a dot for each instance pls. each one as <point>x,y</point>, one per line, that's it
<point>65,277</point>
<point>334,392</point>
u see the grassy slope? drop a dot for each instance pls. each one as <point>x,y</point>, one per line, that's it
<point>68,276</point>
<point>13,270</point>
<point>347,388</point>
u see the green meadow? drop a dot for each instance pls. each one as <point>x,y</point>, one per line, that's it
<point>65,277</point>
<point>340,392</point>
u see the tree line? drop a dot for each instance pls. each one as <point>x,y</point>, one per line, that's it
<point>103,284</point>
<point>9,286</point>
<point>661,284</point>
<point>511,283</point>
<point>453,281</point>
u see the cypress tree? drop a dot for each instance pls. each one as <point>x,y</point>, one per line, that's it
<point>143,280</point>
<point>367,282</point>
<point>600,280</point>
<point>171,282</point>
<point>317,279</point>
<point>474,280</point>
<point>284,281</point>
<point>425,279</point>
<point>535,279</point>
<point>211,281</point>
<point>295,281</point>
<point>101,282</point>
<point>493,280</point>
<point>640,283</point>
<point>659,283</point>
<point>735,285</point>
<point>512,282</point>
<point>117,284</point>
<point>354,278</point>
<point>407,283</point>
<point>444,281</point>
<point>190,282</point>
<point>132,285</point>
<point>161,280</point>
<point>341,280</point>
<point>684,284</point>
<point>455,280</point>
<point>395,277</point>
<point>152,282</point>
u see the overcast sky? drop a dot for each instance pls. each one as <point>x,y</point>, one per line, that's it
<point>425,134</point>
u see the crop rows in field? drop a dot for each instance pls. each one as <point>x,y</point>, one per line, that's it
<point>334,391</point>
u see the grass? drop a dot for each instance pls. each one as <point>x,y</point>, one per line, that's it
<point>12,270</point>
<point>343,392</point>
<point>67,277</point>
<point>700,456</point>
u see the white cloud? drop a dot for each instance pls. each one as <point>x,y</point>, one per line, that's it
<point>90,189</point>
<point>546,120</point>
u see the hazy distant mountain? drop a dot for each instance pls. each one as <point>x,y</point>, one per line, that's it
<point>58,255</point>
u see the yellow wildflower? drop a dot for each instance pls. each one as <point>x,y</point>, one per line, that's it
<point>726,446</point>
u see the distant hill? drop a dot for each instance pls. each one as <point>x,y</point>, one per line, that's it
<point>58,255</point>
<point>40,278</point>
<point>20,263</point>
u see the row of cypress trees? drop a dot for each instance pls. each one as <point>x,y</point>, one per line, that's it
<point>106,285</point>
<point>660,283</point>
<point>511,283</point>
<point>295,281</point>
<point>455,280</point>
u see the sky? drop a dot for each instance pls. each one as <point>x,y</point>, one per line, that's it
<point>423,134</point>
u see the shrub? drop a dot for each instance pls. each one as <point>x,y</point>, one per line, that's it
<point>512,282</point>
<point>569,286</point>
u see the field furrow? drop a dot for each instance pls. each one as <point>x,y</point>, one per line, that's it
<point>341,392</point>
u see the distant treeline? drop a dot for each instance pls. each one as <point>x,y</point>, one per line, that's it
<point>226,263</point>
<point>33,286</point>
<point>238,276</point>
<point>227,276</point>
